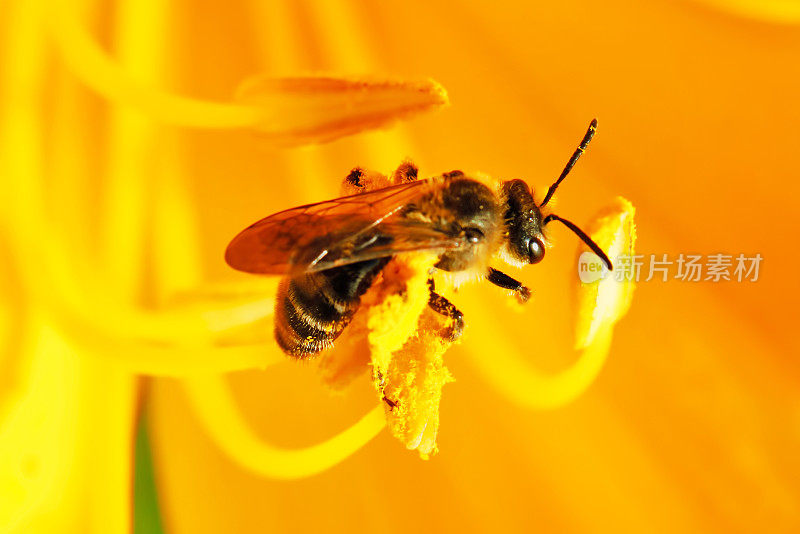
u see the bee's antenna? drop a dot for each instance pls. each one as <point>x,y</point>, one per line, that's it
<point>571,163</point>
<point>585,238</point>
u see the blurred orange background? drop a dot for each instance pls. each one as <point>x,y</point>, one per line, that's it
<point>117,200</point>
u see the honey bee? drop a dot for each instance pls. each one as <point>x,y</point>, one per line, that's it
<point>330,252</point>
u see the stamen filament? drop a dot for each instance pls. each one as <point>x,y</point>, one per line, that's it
<point>507,371</point>
<point>167,342</point>
<point>214,406</point>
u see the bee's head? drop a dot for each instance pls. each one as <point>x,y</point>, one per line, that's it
<point>524,222</point>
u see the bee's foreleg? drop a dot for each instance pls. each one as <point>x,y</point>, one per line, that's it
<point>442,306</point>
<point>501,279</point>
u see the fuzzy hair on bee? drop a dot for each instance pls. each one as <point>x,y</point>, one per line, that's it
<point>330,252</point>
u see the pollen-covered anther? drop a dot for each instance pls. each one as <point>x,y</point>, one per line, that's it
<point>605,299</point>
<point>414,382</point>
<point>306,110</point>
<point>406,346</point>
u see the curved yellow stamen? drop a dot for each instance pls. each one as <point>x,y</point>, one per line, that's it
<point>531,388</point>
<point>600,305</point>
<point>70,414</point>
<point>174,340</point>
<point>171,355</point>
<point>46,275</point>
<point>125,330</point>
<point>214,406</point>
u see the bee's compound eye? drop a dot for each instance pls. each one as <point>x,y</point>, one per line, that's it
<point>535,250</point>
<point>473,235</point>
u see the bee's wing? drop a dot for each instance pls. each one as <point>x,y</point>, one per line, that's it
<point>336,232</point>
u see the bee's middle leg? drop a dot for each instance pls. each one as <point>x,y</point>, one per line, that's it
<point>442,306</point>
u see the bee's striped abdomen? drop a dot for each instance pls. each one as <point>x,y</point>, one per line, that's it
<point>313,309</point>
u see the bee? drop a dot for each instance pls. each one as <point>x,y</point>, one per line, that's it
<point>330,252</point>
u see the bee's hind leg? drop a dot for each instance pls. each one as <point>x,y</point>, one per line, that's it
<point>442,306</point>
<point>354,179</point>
<point>406,172</point>
<point>361,180</point>
<point>382,385</point>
